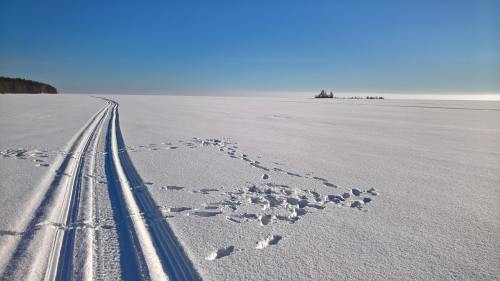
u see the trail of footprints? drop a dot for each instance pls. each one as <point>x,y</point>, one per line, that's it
<point>39,157</point>
<point>263,202</point>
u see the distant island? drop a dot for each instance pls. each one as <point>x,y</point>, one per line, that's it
<point>324,95</point>
<point>23,86</point>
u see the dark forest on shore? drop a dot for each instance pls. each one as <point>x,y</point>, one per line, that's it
<point>23,86</point>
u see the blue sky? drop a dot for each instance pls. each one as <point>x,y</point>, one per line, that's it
<point>268,45</point>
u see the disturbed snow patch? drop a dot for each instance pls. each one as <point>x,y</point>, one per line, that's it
<point>264,200</point>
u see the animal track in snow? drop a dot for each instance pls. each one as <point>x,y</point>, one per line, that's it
<point>329,184</point>
<point>172,187</point>
<point>283,203</point>
<point>11,233</point>
<point>355,192</point>
<point>19,153</point>
<point>178,209</point>
<point>264,200</point>
<point>270,240</point>
<point>248,216</point>
<point>265,219</point>
<point>357,204</point>
<point>233,220</point>
<point>220,253</point>
<point>205,214</point>
<point>206,190</point>
<point>60,226</point>
<point>230,149</point>
<point>24,153</point>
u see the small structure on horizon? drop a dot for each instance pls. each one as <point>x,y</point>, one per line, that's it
<point>323,95</point>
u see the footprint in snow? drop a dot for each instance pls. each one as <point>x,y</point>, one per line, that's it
<point>172,187</point>
<point>271,240</point>
<point>206,190</point>
<point>206,214</point>
<point>265,219</point>
<point>355,192</point>
<point>178,209</point>
<point>220,253</point>
<point>329,184</point>
<point>293,174</point>
<point>357,204</point>
<point>10,233</point>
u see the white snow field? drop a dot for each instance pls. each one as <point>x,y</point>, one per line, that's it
<point>220,188</point>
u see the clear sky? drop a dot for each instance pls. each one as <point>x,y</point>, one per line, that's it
<point>269,45</point>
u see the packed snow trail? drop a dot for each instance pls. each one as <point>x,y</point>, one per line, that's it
<point>67,239</point>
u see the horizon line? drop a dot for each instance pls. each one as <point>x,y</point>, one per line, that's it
<point>480,96</point>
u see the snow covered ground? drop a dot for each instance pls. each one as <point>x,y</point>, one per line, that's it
<point>221,188</point>
<point>34,130</point>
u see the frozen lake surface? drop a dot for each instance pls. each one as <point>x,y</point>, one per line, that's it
<point>221,188</point>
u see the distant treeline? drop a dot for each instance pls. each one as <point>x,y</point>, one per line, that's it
<point>22,86</point>
<point>324,95</point>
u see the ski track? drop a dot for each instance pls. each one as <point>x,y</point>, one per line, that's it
<point>66,237</point>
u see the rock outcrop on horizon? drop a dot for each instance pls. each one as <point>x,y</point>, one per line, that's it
<point>23,86</point>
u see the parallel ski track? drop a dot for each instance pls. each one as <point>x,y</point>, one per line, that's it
<point>160,251</point>
<point>55,207</point>
<point>145,235</point>
<point>65,268</point>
